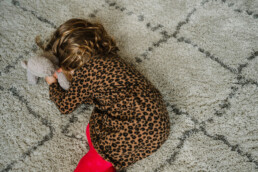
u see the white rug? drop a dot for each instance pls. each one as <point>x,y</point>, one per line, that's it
<point>201,54</point>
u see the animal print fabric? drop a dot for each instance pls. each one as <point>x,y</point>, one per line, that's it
<point>129,121</point>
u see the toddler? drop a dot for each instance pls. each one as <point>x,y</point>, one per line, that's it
<point>130,120</point>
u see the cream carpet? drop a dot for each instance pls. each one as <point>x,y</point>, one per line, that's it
<point>201,54</point>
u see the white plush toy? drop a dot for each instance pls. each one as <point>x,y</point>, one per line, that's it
<point>44,65</point>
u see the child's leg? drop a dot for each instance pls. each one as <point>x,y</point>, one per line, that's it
<point>88,136</point>
<point>92,161</point>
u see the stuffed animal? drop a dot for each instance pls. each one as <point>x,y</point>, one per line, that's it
<point>44,65</point>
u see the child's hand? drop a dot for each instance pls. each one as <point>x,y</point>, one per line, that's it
<point>50,80</point>
<point>55,74</point>
<point>59,70</point>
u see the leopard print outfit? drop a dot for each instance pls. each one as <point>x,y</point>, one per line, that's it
<point>129,121</point>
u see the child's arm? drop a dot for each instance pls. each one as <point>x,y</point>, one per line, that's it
<point>78,93</point>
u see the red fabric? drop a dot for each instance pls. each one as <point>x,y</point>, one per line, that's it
<point>92,161</point>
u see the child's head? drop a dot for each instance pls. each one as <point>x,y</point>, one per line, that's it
<point>77,40</point>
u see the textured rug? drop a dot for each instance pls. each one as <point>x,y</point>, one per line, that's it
<point>201,54</point>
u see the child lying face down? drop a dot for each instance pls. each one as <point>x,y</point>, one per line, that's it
<point>130,120</point>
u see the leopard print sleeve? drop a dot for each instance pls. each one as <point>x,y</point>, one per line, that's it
<point>78,93</point>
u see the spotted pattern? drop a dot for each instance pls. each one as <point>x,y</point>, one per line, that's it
<point>129,121</point>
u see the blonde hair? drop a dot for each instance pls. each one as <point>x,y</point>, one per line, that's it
<point>77,40</point>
